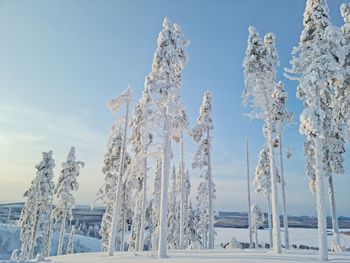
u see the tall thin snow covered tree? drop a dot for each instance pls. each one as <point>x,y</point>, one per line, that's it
<point>140,139</point>
<point>281,118</point>
<point>34,221</point>
<point>257,221</point>
<point>163,84</point>
<point>188,223</point>
<point>106,195</point>
<point>260,65</point>
<point>316,66</point>
<point>262,183</point>
<point>202,160</point>
<point>114,105</point>
<point>181,125</point>
<point>155,211</point>
<point>172,213</point>
<point>67,182</point>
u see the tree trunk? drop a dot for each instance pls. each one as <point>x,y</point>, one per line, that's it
<point>249,202</point>
<point>49,237</point>
<point>320,202</point>
<point>269,220</point>
<point>33,237</point>
<point>336,237</point>
<point>256,238</point>
<point>163,218</point>
<point>122,243</point>
<point>63,228</point>
<point>274,196</point>
<point>182,212</point>
<point>111,243</point>
<point>283,185</point>
<point>143,212</point>
<point>211,213</point>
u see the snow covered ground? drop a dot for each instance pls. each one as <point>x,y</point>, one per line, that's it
<point>209,256</point>
<point>9,241</point>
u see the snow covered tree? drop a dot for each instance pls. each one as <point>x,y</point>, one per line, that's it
<point>107,194</point>
<point>140,139</point>
<point>257,221</point>
<point>260,64</point>
<point>34,221</point>
<point>67,182</point>
<point>163,84</point>
<point>281,118</point>
<point>114,105</point>
<point>192,237</point>
<point>156,204</point>
<point>315,66</point>
<point>262,183</point>
<point>172,213</point>
<point>202,160</point>
<point>181,125</point>
<point>189,219</point>
<point>70,246</point>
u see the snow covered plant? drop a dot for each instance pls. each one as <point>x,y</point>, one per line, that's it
<point>67,182</point>
<point>34,221</point>
<point>163,84</point>
<point>140,139</point>
<point>257,221</point>
<point>115,163</point>
<point>262,183</point>
<point>260,64</point>
<point>202,160</point>
<point>281,117</point>
<point>181,125</point>
<point>316,63</point>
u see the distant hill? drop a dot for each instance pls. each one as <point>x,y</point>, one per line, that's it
<point>84,214</point>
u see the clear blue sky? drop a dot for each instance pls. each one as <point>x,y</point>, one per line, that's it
<point>60,61</point>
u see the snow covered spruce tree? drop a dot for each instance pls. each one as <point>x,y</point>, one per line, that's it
<point>184,188</point>
<point>114,105</point>
<point>181,124</point>
<point>202,160</point>
<point>316,66</point>
<point>281,118</point>
<point>173,220</point>
<point>34,221</point>
<point>67,182</point>
<point>163,84</point>
<point>70,245</point>
<point>140,139</point>
<point>155,211</point>
<point>257,221</point>
<point>260,65</point>
<point>115,157</point>
<point>262,183</point>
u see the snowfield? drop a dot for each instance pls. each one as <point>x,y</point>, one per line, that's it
<point>9,241</point>
<point>297,236</point>
<point>208,256</point>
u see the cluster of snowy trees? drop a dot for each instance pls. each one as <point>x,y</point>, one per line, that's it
<point>41,214</point>
<point>267,100</point>
<point>167,219</point>
<point>320,63</point>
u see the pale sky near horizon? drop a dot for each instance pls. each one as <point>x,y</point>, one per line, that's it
<point>60,61</point>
